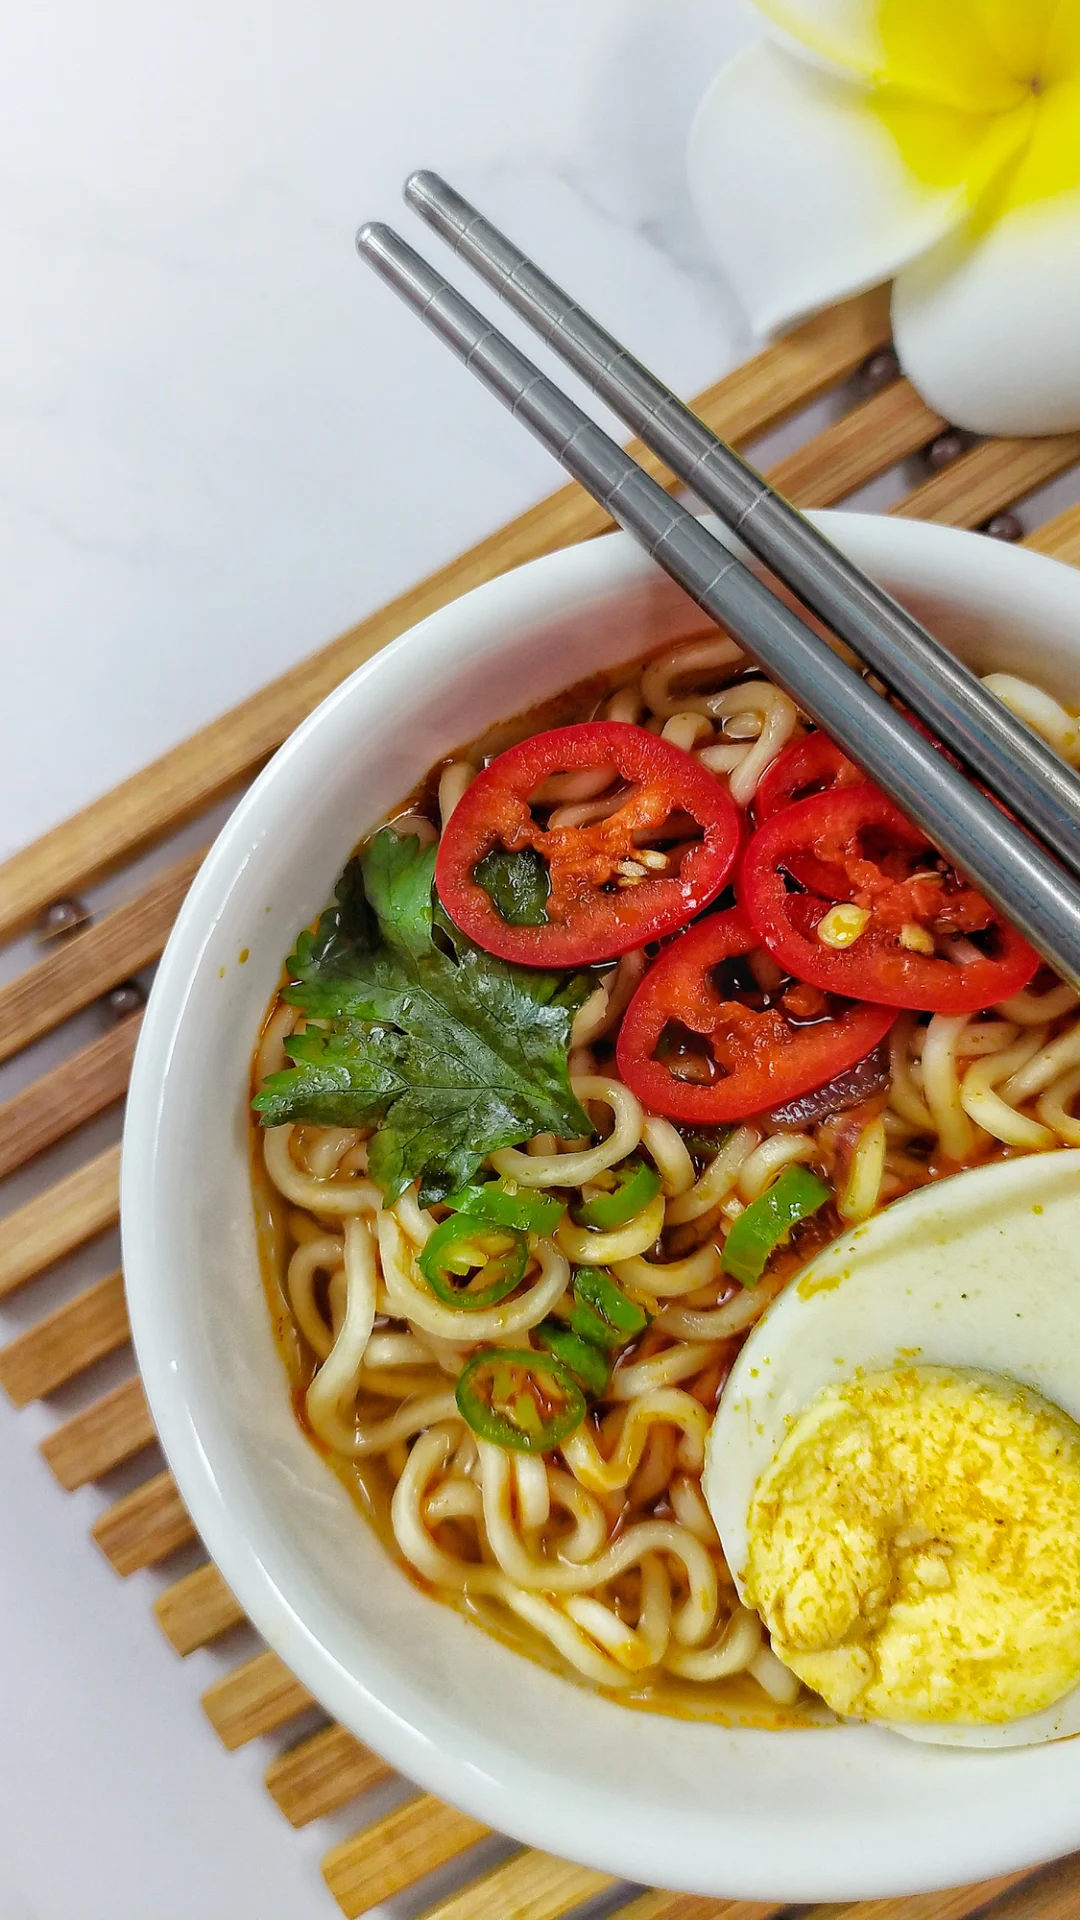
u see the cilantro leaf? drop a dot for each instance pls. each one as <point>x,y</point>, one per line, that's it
<point>518,885</point>
<point>452,1052</point>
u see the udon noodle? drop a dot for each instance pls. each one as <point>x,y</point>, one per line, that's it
<point>603,1552</point>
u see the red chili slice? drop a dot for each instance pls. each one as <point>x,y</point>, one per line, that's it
<point>597,905</point>
<point>753,1058</point>
<point>814,764</point>
<point>895,875</point>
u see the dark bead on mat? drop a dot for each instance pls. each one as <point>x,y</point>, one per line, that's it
<point>945,449</point>
<point>880,370</point>
<point>125,999</point>
<point>1005,526</point>
<point>62,917</point>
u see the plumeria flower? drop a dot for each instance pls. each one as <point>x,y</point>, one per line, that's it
<point>933,141</point>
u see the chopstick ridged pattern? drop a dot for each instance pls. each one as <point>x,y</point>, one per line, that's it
<point>324,1771</point>
<point>940,690</point>
<point>1015,872</point>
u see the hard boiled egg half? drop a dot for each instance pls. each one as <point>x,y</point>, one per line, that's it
<point>894,1469</point>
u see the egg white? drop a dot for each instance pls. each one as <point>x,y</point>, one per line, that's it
<point>980,1271</point>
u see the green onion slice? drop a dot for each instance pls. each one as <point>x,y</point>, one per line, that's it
<point>768,1220</point>
<point>601,1312</point>
<point>518,1399</point>
<point>469,1264</point>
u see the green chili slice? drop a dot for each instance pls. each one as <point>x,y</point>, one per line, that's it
<point>469,1264</point>
<point>638,1183</point>
<point>490,1200</point>
<point>768,1220</point>
<point>515,1398</point>
<point>586,1361</point>
<point>601,1312</point>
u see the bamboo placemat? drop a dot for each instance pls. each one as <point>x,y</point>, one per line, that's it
<point>882,424</point>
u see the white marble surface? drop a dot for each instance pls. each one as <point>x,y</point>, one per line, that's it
<point>221,441</point>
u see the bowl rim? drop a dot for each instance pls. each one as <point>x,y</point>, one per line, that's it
<point>945,556</point>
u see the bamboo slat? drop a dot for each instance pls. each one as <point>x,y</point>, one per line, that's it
<point>89,963</point>
<point>1052,1894</point>
<point>531,1886</point>
<point>787,375</point>
<point>197,1609</point>
<point>324,1771</point>
<point>256,1698</point>
<point>1060,537</point>
<point>691,1906</point>
<point>80,1087</point>
<point>59,1220</point>
<point>91,1444</point>
<point>66,1342</point>
<point>855,449</point>
<point>145,1526</point>
<point>959,1903</point>
<point>321,1774</point>
<point>992,476</point>
<point>397,1851</point>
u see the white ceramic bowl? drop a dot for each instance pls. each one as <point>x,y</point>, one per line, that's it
<point>829,1814</point>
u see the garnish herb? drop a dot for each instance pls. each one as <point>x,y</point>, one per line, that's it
<point>517,884</point>
<point>452,1052</point>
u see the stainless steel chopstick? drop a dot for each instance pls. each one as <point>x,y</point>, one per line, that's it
<point>1019,767</point>
<point>1015,872</point>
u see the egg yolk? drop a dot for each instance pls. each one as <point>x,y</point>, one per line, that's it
<point>914,1548</point>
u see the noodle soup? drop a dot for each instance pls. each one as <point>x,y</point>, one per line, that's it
<point>627,1013</point>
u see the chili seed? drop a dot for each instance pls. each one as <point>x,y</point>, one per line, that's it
<point>842,925</point>
<point>915,938</point>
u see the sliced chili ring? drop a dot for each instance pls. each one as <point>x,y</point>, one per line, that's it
<point>896,881</point>
<point>636,1184</point>
<point>752,1058</point>
<point>603,899</point>
<point>602,1313</point>
<point>470,1263</point>
<point>586,1360</point>
<point>520,1399</point>
<point>814,764</point>
<point>768,1221</point>
<point>494,1203</point>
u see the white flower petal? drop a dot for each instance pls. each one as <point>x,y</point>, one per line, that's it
<point>987,323</point>
<point>974,55</point>
<point>802,188</point>
<point>844,34</point>
<point>989,329</point>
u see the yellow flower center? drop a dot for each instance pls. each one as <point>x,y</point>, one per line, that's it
<point>979,96</point>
